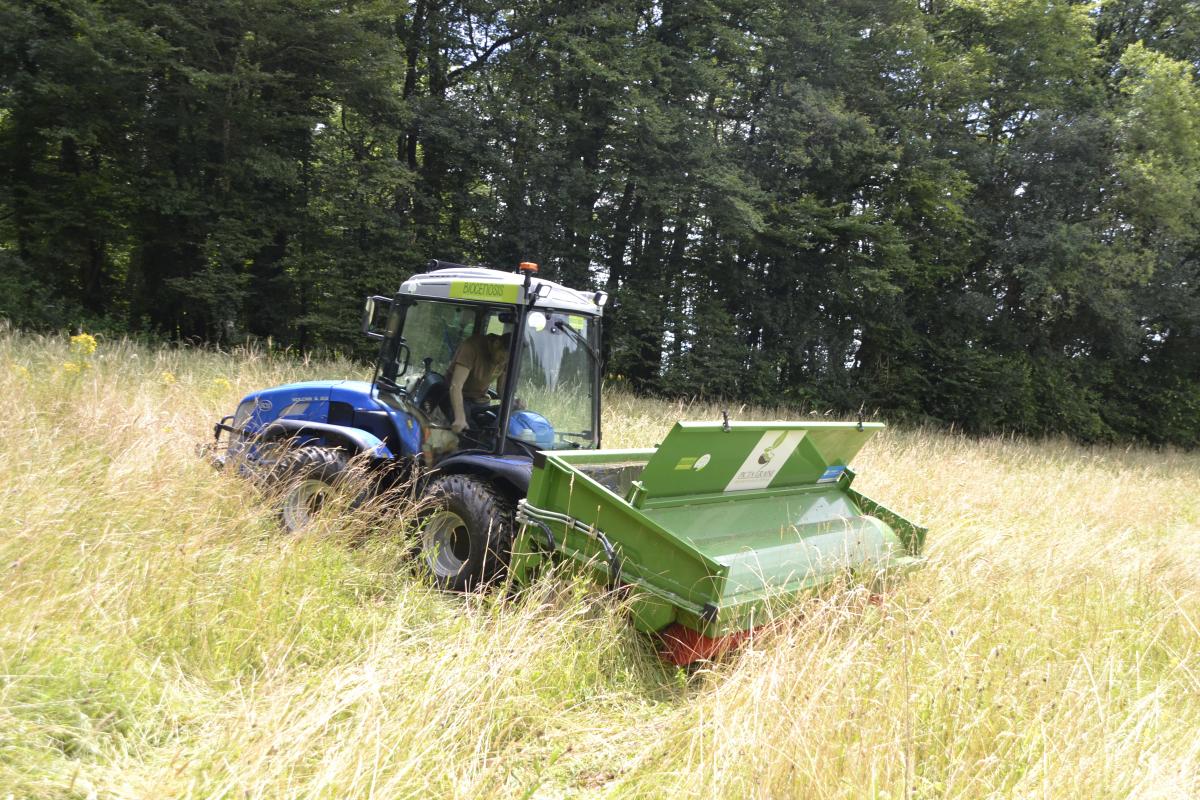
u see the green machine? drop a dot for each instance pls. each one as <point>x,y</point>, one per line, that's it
<point>714,526</point>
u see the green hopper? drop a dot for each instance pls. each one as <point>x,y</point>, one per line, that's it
<point>715,526</point>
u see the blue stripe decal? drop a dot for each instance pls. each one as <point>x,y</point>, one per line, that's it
<point>831,474</point>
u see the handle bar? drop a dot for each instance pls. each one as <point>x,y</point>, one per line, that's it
<point>436,264</point>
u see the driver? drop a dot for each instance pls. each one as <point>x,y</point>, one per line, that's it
<point>477,362</point>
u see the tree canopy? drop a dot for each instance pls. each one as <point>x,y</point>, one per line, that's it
<point>978,212</point>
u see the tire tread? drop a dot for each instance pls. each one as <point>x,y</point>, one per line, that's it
<point>482,501</point>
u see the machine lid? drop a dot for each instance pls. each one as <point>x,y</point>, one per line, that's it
<point>704,458</point>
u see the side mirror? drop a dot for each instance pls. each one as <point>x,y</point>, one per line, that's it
<point>375,316</point>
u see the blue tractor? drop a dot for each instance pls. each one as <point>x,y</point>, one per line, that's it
<point>302,436</point>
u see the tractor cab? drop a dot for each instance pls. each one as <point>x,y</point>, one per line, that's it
<point>527,346</point>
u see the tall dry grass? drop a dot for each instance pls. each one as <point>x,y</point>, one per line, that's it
<point>159,637</point>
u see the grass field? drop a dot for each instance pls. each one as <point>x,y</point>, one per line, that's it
<point>159,637</point>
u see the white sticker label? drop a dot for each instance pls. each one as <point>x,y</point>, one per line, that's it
<point>765,460</point>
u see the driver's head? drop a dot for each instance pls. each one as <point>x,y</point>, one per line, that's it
<point>497,344</point>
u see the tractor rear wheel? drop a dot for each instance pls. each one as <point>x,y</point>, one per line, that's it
<point>308,477</point>
<point>466,538</point>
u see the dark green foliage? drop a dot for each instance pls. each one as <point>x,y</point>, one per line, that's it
<point>974,213</point>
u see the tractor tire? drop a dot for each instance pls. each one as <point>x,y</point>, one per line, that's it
<point>466,537</point>
<point>307,477</point>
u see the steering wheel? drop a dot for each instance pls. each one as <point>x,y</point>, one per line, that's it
<point>485,417</point>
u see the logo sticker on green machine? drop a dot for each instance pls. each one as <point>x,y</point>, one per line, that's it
<point>696,463</point>
<point>477,290</point>
<point>765,460</point>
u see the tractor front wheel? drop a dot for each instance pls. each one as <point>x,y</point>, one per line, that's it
<point>466,539</point>
<point>308,477</point>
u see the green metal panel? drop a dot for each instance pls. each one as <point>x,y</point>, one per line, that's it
<point>720,522</point>
<point>647,550</point>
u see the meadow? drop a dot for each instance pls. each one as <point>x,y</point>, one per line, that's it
<point>160,637</point>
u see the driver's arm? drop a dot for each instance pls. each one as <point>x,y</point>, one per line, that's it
<point>458,379</point>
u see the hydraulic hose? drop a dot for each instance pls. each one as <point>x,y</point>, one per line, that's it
<point>532,515</point>
<point>551,545</point>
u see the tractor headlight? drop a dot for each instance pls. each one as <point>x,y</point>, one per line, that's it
<point>242,415</point>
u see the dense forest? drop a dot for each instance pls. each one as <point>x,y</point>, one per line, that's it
<point>978,212</point>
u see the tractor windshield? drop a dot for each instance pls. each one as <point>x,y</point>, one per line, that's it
<point>434,330</point>
<point>558,379</point>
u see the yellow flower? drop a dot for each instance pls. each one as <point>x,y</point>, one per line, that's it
<point>70,367</point>
<point>83,345</point>
<point>168,378</point>
<point>220,384</point>
<point>18,370</point>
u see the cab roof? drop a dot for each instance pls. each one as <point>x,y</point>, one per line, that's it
<point>478,284</point>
